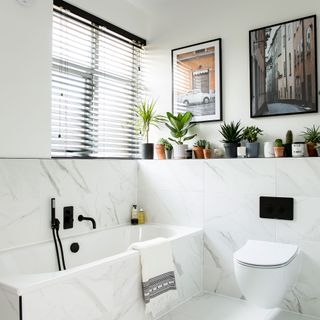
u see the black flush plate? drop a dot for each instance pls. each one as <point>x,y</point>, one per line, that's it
<point>67,217</point>
<point>276,208</point>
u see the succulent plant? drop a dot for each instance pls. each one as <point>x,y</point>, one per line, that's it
<point>231,133</point>
<point>278,143</point>
<point>207,147</point>
<point>251,133</point>
<point>200,143</point>
<point>289,137</point>
<point>312,134</point>
<point>166,143</point>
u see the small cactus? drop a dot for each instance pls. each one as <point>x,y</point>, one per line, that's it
<point>289,137</point>
<point>278,143</point>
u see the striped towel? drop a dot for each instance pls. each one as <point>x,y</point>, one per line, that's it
<point>158,277</point>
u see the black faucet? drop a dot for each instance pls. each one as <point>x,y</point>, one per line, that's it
<point>81,218</point>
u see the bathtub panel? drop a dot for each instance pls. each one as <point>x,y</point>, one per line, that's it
<point>188,259</point>
<point>110,291</point>
<point>9,306</point>
<point>86,296</point>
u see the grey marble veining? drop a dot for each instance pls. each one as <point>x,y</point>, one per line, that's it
<point>102,189</point>
<point>226,203</point>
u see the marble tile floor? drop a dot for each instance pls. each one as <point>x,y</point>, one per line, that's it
<point>216,307</point>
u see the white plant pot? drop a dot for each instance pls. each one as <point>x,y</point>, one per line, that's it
<point>298,150</point>
<point>179,151</point>
<point>268,150</point>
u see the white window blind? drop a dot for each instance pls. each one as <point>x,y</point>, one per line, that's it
<point>96,80</point>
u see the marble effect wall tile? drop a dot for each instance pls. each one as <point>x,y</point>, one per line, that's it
<point>172,191</point>
<point>103,189</point>
<point>231,190</point>
<point>9,306</point>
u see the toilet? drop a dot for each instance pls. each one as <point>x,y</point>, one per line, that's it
<point>265,271</point>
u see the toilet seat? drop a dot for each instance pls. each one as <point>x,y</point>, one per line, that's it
<point>265,255</point>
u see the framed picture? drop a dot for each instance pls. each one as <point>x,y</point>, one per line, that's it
<point>283,68</point>
<point>196,81</point>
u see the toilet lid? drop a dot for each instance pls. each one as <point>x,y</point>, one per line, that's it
<point>265,254</point>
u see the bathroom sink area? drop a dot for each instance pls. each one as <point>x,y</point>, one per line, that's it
<point>211,306</point>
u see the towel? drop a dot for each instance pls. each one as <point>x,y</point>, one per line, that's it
<point>158,277</point>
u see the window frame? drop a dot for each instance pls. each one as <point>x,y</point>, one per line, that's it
<point>96,24</point>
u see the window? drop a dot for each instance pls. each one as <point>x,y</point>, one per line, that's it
<point>96,80</point>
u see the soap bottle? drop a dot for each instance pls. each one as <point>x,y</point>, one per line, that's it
<point>141,216</point>
<point>134,215</point>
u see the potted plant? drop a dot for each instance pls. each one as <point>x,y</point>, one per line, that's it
<point>250,134</point>
<point>179,126</point>
<point>160,149</point>
<point>168,148</point>
<point>207,152</point>
<point>146,116</point>
<point>164,149</point>
<point>198,148</point>
<point>318,150</point>
<point>278,148</point>
<point>311,138</point>
<point>288,144</point>
<point>232,135</point>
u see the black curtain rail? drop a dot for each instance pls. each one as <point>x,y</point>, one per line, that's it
<point>99,21</point>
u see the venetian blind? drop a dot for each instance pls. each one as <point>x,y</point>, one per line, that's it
<point>96,80</point>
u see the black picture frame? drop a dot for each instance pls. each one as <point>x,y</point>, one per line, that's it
<point>197,80</point>
<point>283,68</point>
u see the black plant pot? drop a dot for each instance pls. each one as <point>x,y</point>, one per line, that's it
<point>230,150</point>
<point>252,149</point>
<point>147,150</point>
<point>288,150</point>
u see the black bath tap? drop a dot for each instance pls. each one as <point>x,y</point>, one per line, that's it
<point>81,218</point>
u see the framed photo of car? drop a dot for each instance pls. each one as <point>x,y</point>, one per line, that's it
<point>196,81</point>
<point>283,68</point>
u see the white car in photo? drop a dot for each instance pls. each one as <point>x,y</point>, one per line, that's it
<point>195,97</point>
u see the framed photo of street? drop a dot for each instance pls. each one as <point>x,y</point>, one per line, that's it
<point>196,81</point>
<point>283,68</point>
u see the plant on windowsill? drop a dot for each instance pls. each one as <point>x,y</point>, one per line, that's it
<point>164,149</point>
<point>288,144</point>
<point>311,138</point>
<point>278,148</point>
<point>198,148</point>
<point>146,116</point>
<point>232,135</point>
<point>207,152</point>
<point>250,134</point>
<point>179,126</point>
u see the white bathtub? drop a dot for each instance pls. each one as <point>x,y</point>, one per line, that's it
<point>102,269</point>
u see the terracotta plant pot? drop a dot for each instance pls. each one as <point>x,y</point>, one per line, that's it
<point>278,152</point>
<point>160,151</point>
<point>312,151</point>
<point>198,152</point>
<point>207,153</point>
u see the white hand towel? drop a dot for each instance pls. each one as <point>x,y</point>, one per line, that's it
<point>158,278</point>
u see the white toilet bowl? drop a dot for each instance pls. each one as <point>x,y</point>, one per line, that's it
<point>265,271</point>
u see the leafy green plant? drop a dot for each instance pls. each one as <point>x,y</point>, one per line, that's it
<point>146,116</point>
<point>200,143</point>
<point>289,137</point>
<point>231,133</point>
<point>251,133</point>
<point>278,143</point>
<point>166,143</point>
<point>179,126</point>
<point>312,134</point>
